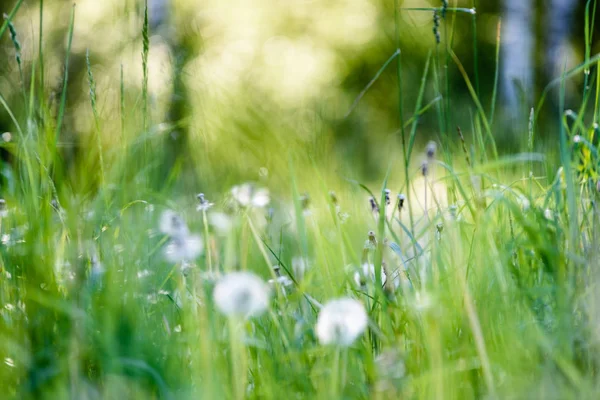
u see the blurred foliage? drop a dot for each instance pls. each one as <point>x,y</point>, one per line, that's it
<point>252,79</point>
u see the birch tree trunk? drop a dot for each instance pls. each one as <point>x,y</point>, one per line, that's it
<point>559,21</point>
<point>517,70</point>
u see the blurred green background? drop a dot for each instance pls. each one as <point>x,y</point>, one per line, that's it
<point>233,84</point>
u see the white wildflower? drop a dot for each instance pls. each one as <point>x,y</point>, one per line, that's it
<point>282,280</point>
<point>341,322</point>
<point>548,214</point>
<point>430,150</point>
<point>9,361</point>
<point>367,272</point>
<point>241,294</point>
<point>3,209</point>
<point>182,245</point>
<point>181,249</point>
<point>144,273</point>
<point>173,225</point>
<point>246,195</point>
<point>203,203</point>
<point>299,266</point>
<point>221,222</point>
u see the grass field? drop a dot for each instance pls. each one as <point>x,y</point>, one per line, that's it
<point>462,272</point>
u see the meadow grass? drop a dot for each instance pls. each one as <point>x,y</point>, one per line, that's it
<point>476,269</point>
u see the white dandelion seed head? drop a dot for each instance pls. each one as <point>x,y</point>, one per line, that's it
<point>172,224</point>
<point>144,273</point>
<point>246,195</point>
<point>181,249</point>
<point>576,139</point>
<point>431,149</point>
<point>282,280</point>
<point>221,222</point>
<point>203,203</point>
<point>341,322</point>
<point>261,198</point>
<point>367,273</point>
<point>299,266</point>
<point>241,294</point>
<point>242,194</point>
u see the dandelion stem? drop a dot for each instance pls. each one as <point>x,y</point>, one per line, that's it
<point>335,369</point>
<point>207,241</point>
<point>238,359</point>
<point>261,247</point>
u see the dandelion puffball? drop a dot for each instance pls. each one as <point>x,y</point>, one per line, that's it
<point>367,273</point>
<point>172,224</point>
<point>241,294</point>
<point>341,322</point>
<point>246,195</point>
<point>186,248</point>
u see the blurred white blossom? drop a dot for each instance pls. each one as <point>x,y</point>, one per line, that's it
<point>182,246</point>
<point>172,224</point>
<point>221,222</point>
<point>282,280</point>
<point>181,249</point>
<point>341,322</point>
<point>367,273</point>
<point>247,195</point>
<point>299,266</point>
<point>241,294</point>
<point>203,203</point>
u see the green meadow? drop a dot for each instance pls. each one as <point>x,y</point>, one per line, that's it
<point>182,217</point>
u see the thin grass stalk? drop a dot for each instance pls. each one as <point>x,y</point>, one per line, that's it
<point>10,16</point>
<point>145,53</point>
<point>41,54</point>
<point>92,92</point>
<point>475,55</point>
<point>122,105</point>
<point>17,46</point>
<point>563,273</point>
<point>496,74</point>
<point>63,97</point>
